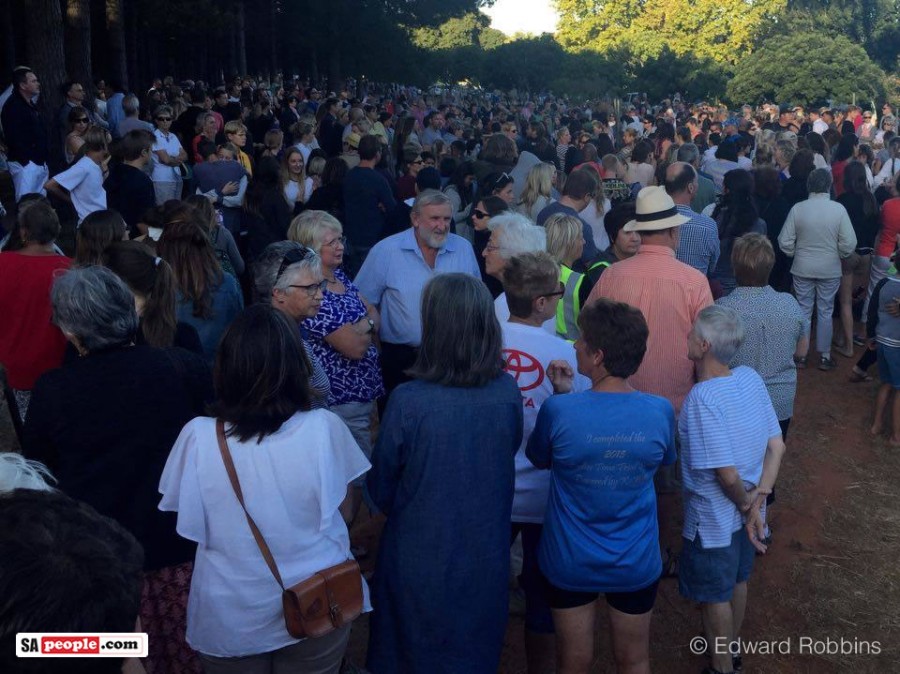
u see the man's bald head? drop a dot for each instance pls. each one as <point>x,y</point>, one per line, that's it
<point>680,181</point>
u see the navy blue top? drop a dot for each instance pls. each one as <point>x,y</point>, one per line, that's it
<point>227,303</point>
<point>444,472</point>
<point>368,201</point>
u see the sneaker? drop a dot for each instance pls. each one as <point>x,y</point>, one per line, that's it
<point>859,341</point>
<point>800,362</point>
<point>826,364</point>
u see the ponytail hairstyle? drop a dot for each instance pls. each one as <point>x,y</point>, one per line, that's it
<point>151,279</point>
<point>98,231</point>
<point>185,245</point>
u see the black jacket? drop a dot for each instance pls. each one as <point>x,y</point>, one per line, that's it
<point>26,134</point>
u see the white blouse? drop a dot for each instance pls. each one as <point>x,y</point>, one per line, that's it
<point>292,187</point>
<point>293,483</point>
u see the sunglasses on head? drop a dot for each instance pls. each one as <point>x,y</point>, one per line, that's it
<point>293,256</point>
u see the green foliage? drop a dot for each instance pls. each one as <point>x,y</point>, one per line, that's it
<point>695,77</point>
<point>807,68</point>
<point>723,31</point>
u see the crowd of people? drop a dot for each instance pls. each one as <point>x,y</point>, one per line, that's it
<point>238,320</point>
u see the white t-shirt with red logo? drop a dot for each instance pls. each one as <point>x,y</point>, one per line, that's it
<point>527,351</point>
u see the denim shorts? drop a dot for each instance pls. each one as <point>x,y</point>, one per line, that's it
<point>708,575</point>
<point>889,365</point>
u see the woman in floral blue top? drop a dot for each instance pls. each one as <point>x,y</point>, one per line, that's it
<point>343,333</point>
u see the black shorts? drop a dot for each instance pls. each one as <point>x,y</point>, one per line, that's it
<point>635,602</point>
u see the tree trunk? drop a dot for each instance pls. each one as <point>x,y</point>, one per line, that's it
<point>241,39</point>
<point>115,26</point>
<point>131,42</point>
<point>46,56</point>
<point>273,32</point>
<point>78,41</point>
<point>7,37</point>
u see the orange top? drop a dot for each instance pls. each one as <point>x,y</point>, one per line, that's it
<point>670,294</point>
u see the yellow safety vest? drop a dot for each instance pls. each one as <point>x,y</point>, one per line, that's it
<point>569,306</point>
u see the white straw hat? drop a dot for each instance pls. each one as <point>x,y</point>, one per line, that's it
<point>654,211</point>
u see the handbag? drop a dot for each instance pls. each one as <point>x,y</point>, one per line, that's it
<point>318,605</point>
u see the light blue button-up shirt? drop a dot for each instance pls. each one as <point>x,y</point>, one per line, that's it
<point>395,273</point>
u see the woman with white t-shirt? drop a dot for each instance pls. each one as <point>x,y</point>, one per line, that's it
<point>168,155</point>
<point>294,467</point>
<point>295,184</point>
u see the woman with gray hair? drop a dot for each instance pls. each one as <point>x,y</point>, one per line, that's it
<point>289,276</point>
<point>104,425</point>
<point>453,620</point>
<point>731,450</point>
<point>511,234</point>
<point>818,234</point>
<point>343,333</point>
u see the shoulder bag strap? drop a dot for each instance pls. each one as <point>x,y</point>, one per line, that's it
<point>232,475</point>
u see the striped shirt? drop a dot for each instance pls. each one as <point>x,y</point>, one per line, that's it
<point>670,294</point>
<point>773,324</point>
<point>726,421</point>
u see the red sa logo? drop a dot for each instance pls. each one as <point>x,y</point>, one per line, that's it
<point>526,369</point>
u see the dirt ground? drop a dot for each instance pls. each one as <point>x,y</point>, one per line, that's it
<point>830,573</point>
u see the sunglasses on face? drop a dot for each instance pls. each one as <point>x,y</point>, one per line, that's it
<point>479,214</point>
<point>81,120</point>
<point>163,119</point>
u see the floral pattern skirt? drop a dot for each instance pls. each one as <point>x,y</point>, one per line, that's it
<point>164,600</point>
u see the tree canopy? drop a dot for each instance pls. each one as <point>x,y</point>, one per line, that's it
<point>798,50</point>
<point>822,68</point>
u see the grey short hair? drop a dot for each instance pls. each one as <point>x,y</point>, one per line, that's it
<point>723,329</point>
<point>688,153</point>
<point>163,110</point>
<point>17,472</point>
<point>819,181</point>
<point>308,228</point>
<point>131,105</point>
<point>430,198</point>
<point>516,234</point>
<point>95,306</point>
<point>266,267</point>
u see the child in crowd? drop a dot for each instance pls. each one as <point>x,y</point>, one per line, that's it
<point>883,332</point>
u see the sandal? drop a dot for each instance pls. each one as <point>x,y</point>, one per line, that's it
<point>857,377</point>
<point>670,564</point>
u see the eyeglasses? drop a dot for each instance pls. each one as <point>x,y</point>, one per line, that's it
<point>339,242</point>
<point>480,214</point>
<point>163,119</point>
<point>293,256</point>
<point>558,293</point>
<point>313,288</point>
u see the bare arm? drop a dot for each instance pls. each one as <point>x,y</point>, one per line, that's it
<point>351,340</point>
<point>57,190</point>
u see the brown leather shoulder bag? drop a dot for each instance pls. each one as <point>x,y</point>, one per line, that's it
<point>318,605</point>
